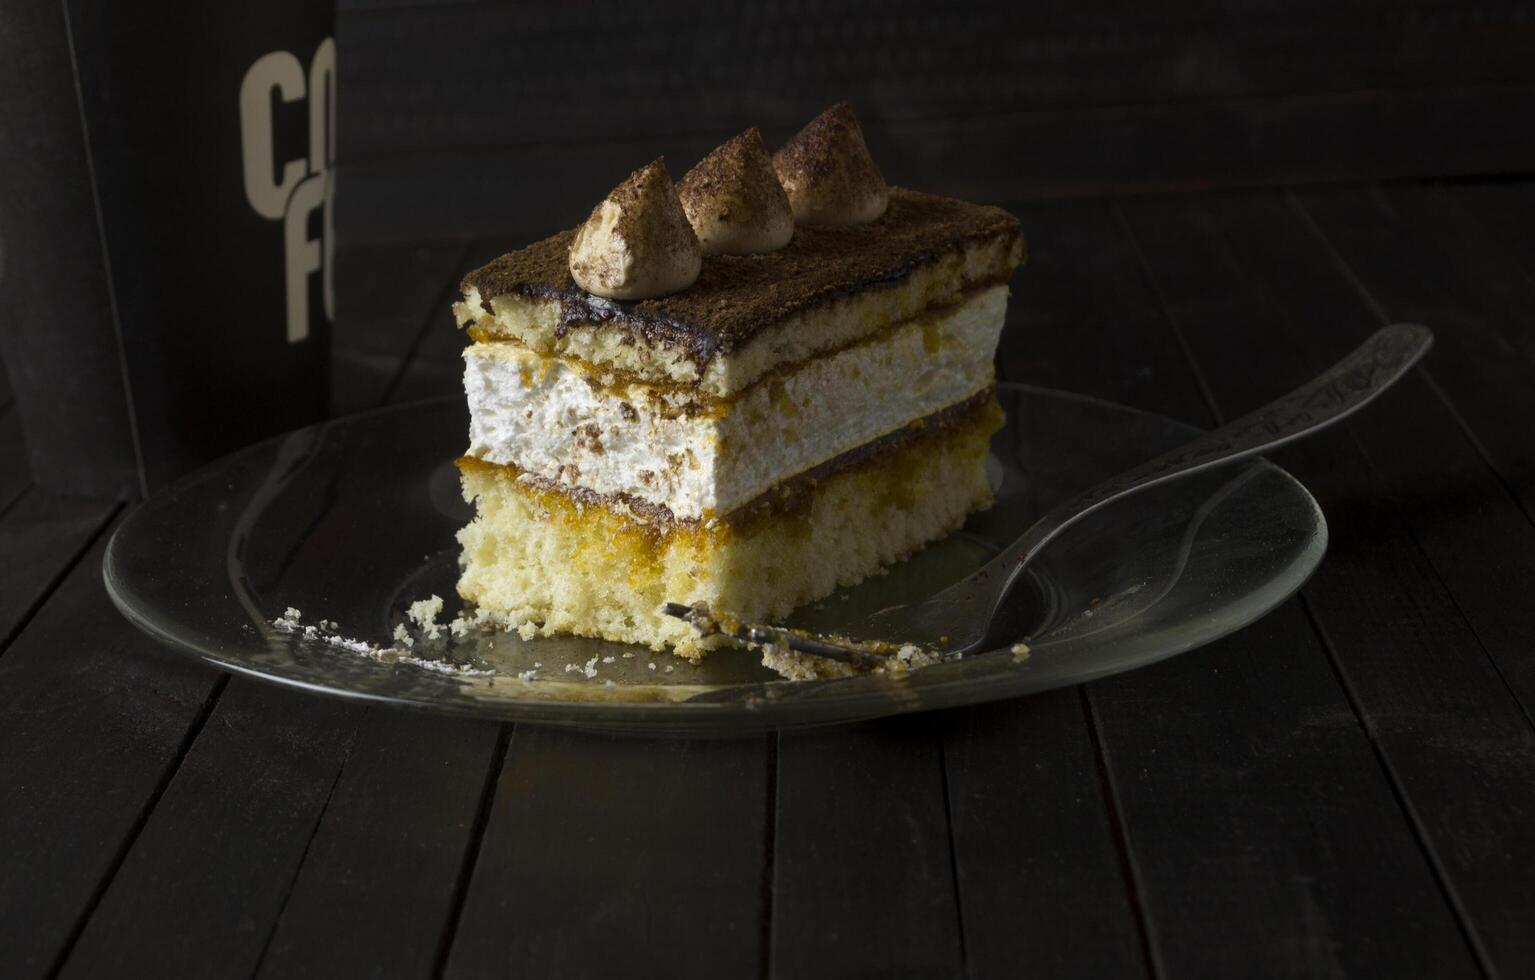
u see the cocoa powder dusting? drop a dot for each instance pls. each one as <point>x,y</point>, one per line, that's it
<point>736,296</point>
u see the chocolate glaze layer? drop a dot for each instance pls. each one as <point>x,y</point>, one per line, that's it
<point>736,296</point>
<point>788,494</point>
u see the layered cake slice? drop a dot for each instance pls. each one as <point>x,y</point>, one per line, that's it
<point>747,391</point>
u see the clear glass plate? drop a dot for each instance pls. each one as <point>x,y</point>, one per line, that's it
<point>352,520</point>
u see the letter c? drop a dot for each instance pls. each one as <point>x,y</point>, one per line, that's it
<point>281,71</point>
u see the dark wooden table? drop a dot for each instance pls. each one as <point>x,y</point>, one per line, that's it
<point>1346,787</point>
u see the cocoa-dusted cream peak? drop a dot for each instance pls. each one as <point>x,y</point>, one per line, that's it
<point>828,173</point>
<point>734,201</point>
<point>637,244</point>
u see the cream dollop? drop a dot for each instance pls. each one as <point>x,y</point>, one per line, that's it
<point>828,173</point>
<point>734,201</point>
<point>637,244</point>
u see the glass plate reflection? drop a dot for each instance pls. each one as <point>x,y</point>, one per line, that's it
<point>352,520</point>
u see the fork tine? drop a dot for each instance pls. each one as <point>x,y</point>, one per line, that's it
<point>699,617</point>
<point>802,643</point>
<point>677,609</point>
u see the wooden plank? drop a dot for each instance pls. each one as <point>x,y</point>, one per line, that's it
<point>1044,884</point>
<point>1452,736</point>
<point>1463,516</point>
<point>69,381</point>
<point>1032,153</point>
<point>1264,835</point>
<point>1260,829</point>
<point>292,763</point>
<point>1415,264</point>
<point>234,826</point>
<point>350,7</point>
<point>42,537</point>
<point>416,786</point>
<point>384,296</point>
<point>1453,739</point>
<point>360,380</point>
<point>1036,850</point>
<point>436,365</point>
<point>1087,859</point>
<point>372,896</point>
<point>94,718</point>
<point>628,800</point>
<point>863,878</point>
<point>105,939</point>
<point>892,825</point>
<point>15,472</point>
<point>431,379</point>
<point>1503,209</point>
<point>408,795</point>
<point>606,853</point>
<point>385,292</point>
<point>1491,251</point>
<point>1080,317</point>
<point>197,893</point>
<point>897,64</point>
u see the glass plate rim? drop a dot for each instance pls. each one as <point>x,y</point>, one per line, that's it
<point>632,716</point>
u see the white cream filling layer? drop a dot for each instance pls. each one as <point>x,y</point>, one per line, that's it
<point>554,418</point>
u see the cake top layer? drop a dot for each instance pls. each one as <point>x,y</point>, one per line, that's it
<point>737,296</point>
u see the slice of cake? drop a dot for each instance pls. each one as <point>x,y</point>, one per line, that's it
<point>748,391</point>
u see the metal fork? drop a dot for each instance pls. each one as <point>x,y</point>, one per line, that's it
<point>962,619</point>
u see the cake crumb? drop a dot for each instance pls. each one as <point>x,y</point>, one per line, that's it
<point>424,614</point>
<point>910,657</point>
<point>527,675</point>
<point>790,665</point>
<point>383,655</point>
<point>651,665</point>
<point>590,670</point>
<point>607,660</point>
<point>1020,651</point>
<point>670,668</point>
<point>796,666</point>
<point>629,655</point>
<point>528,630</point>
<point>293,614</point>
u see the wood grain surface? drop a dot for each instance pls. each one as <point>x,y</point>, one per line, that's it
<point>451,112</point>
<point>1345,788</point>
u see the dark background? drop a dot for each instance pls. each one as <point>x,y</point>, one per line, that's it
<point>492,118</point>
<point>1221,200</point>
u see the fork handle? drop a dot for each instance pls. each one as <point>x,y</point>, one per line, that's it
<point>1336,394</point>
